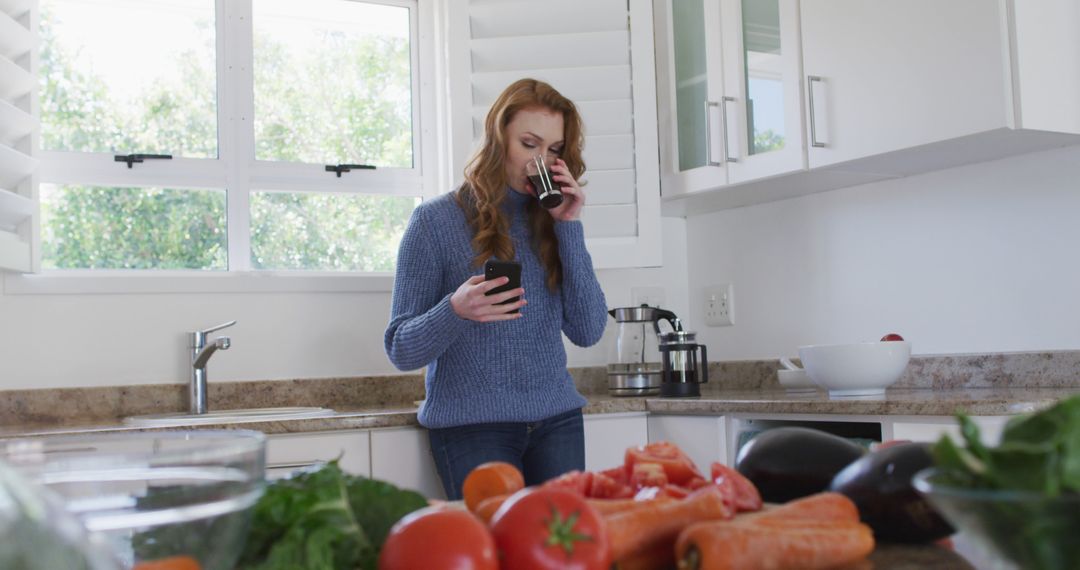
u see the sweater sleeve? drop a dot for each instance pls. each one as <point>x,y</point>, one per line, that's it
<point>584,307</point>
<point>422,322</point>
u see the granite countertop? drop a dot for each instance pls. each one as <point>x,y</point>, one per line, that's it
<point>979,384</point>
<point>895,402</point>
<point>906,402</point>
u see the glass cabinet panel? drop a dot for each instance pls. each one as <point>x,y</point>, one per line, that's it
<point>691,81</point>
<point>764,77</point>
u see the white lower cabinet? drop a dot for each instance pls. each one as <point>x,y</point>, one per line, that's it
<point>608,435</point>
<point>289,452</point>
<point>703,438</point>
<point>402,456</point>
<point>931,429</point>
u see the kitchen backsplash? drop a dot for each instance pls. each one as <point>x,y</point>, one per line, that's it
<point>1056,369</point>
<point>67,405</point>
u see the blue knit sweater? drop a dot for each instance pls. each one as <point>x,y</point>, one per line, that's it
<point>505,371</point>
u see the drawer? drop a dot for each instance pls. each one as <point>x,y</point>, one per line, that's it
<point>290,452</point>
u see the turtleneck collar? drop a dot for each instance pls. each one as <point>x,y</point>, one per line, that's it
<point>516,200</point>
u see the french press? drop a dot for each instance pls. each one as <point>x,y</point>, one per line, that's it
<point>682,371</point>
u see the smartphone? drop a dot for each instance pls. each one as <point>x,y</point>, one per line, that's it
<point>512,269</point>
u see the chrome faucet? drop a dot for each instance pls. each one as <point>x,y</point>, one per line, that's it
<point>200,354</point>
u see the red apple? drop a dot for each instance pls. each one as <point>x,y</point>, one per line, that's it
<point>891,336</point>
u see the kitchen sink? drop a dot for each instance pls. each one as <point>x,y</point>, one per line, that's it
<point>228,416</point>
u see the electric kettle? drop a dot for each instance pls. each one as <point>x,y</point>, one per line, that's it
<point>682,371</point>
<point>635,368</point>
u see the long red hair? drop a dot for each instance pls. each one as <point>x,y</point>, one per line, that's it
<point>486,183</point>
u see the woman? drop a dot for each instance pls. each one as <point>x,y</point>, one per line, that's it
<point>497,385</point>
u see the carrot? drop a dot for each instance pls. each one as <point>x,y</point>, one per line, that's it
<point>490,480</point>
<point>170,563</point>
<point>661,557</point>
<point>486,509</point>
<point>607,507</point>
<point>823,506</point>
<point>641,529</point>
<point>751,545</point>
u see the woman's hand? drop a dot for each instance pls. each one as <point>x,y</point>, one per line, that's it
<point>470,302</point>
<point>573,195</point>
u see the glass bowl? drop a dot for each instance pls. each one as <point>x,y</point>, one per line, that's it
<point>37,533</point>
<point>154,495</point>
<point>1031,530</point>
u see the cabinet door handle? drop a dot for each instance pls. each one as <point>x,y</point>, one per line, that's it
<point>810,80</point>
<point>708,135</point>
<point>724,126</point>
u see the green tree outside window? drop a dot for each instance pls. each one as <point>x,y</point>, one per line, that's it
<point>167,228</point>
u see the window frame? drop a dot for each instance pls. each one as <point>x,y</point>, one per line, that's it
<point>238,172</point>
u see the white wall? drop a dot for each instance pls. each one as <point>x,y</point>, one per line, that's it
<point>981,258</point>
<point>98,340</point>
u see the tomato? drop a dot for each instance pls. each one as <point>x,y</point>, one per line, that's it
<point>549,528</point>
<point>678,467</point>
<point>891,337</point>
<point>618,474</point>
<point>579,482</point>
<point>650,493</point>
<point>648,475</point>
<point>490,480</point>
<point>696,483</point>
<point>727,491</point>
<point>439,538</point>
<point>674,491</point>
<point>746,495</point>
<point>604,487</point>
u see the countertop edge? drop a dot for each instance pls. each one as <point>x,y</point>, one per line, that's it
<point>928,403</point>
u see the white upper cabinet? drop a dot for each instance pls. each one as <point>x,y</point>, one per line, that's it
<point>898,87</point>
<point>729,92</point>
<point>762,89</point>
<point>1046,63</point>
<point>690,93</point>
<point>814,95</point>
<point>889,75</point>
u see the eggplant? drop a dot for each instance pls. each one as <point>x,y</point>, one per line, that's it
<point>880,485</point>
<point>791,462</point>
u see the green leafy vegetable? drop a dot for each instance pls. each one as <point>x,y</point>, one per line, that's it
<point>1038,452</point>
<point>377,506</point>
<point>1039,456</point>
<point>324,520</point>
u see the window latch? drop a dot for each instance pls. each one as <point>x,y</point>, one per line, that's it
<point>133,158</point>
<point>339,168</point>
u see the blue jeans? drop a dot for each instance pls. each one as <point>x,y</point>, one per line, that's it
<point>541,450</point>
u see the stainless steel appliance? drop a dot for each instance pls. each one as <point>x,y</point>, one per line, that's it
<point>634,368</point>
<point>683,372</point>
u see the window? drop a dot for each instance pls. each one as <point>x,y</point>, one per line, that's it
<point>284,136</point>
<point>333,87</point>
<point>96,227</point>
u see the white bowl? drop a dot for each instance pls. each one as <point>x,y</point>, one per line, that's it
<point>861,369</point>
<point>795,380</point>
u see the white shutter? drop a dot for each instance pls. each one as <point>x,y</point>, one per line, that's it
<point>592,54</point>
<point>18,134</point>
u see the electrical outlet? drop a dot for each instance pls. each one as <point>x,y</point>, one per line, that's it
<point>651,296</point>
<point>720,305</point>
